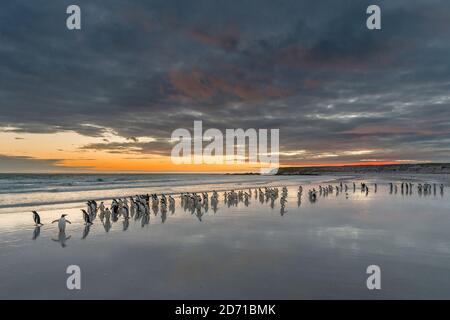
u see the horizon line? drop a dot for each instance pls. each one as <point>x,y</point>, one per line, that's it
<point>385,164</point>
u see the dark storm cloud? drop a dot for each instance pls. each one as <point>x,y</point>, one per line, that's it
<point>310,68</point>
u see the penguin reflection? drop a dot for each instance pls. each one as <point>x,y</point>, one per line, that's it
<point>36,232</point>
<point>145,220</point>
<point>199,214</point>
<point>62,238</point>
<point>155,210</point>
<point>86,230</point>
<point>126,224</point>
<point>107,222</point>
<point>214,206</point>
<point>102,215</point>
<point>163,214</point>
<point>172,208</point>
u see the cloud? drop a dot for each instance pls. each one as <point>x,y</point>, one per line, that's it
<point>311,69</point>
<point>27,164</point>
<point>161,148</point>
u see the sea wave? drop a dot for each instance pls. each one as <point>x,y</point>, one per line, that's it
<point>35,191</point>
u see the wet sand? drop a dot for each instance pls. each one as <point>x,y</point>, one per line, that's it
<point>313,250</point>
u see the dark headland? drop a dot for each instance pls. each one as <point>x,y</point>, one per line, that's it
<point>428,168</point>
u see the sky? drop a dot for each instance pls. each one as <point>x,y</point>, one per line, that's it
<point>106,98</point>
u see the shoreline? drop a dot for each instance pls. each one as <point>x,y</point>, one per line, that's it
<point>167,190</point>
<point>291,179</point>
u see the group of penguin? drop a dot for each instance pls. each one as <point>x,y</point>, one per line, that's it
<point>61,221</point>
<point>139,204</point>
<point>330,189</point>
<point>198,203</point>
<point>405,187</point>
<point>422,189</point>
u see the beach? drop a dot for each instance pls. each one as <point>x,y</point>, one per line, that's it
<point>307,250</point>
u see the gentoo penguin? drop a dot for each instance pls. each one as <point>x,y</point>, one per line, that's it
<point>37,219</point>
<point>125,212</point>
<point>62,222</point>
<point>86,217</point>
<point>102,208</point>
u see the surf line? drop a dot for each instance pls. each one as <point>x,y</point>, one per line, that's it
<point>187,310</point>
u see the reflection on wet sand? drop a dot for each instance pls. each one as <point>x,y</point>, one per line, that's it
<point>126,224</point>
<point>106,221</point>
<point>140,207</point>
<point>236,234</point>
<point>62,238</point>
<point>86,230</point>
<point>36,232</point>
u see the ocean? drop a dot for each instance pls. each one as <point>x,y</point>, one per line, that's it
<point>21,192</point>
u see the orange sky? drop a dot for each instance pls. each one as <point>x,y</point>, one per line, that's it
<point>66,151</point>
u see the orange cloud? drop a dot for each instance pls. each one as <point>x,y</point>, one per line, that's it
<point>227,39</point>
<point>197,85</point>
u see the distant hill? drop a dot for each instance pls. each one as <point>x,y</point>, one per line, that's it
<point>391,168</point>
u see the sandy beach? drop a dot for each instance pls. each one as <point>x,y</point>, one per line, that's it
<point>250,250</point>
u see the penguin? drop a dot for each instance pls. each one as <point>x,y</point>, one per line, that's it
<point>37,219</point>
<point>86,217</point>
<point>102,208</point>
<point>62,223</point>
<point>125,212</point>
